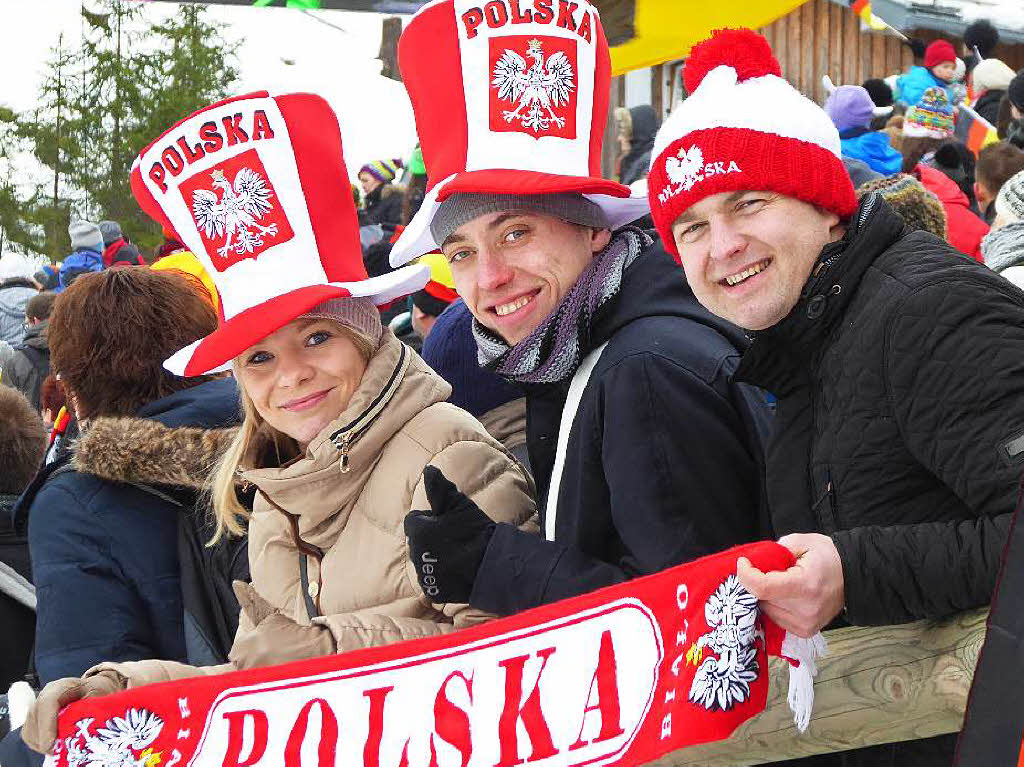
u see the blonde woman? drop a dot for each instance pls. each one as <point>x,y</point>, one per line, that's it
<point>340,421</point>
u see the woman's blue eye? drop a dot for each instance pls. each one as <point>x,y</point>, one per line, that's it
<point>317,338</point>
<point>258,358</point>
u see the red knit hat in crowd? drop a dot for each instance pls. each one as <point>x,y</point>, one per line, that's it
<point>510,98</point>
<point>257,189</point>
<point>937,52</point>
<point>743,127</point>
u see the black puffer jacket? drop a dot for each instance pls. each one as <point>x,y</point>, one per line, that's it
<point>663,461</point>
<point>900,378</point>
<point>900,428</point>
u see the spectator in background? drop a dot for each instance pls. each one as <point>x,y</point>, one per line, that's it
<point>16,288</point>
<point>86,253</point>
<point>852,111</point>
<point>51,401</point>
<point>881,96</point>
<point>926,127</point>
<point>103,547</point>
<point>499,405</point>
<point>46,277</point>
<point>382,198</point>
<point>171,244</point>
<point>939,71</point>
<point>984,37</point>
<point>117,250</point>
<point>919,208</point>
<point>990,79</point>
<point>22,442</point>
<point>644,123</point>
<point>1004,245</point>
<point>957,162</point>
<point>415,186</point>
<point>996,164</point>
<point>1012,127</point>
<point>30,363</point>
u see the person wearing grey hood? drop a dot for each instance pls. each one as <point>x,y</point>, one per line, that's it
<point>645,126</point>
<point>16,288</point>
<point>1003,246</point>
<point>86,255</point>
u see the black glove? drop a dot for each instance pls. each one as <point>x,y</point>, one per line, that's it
<point>448,541</point>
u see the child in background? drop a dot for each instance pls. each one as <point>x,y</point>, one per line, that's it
<point>939,70</point>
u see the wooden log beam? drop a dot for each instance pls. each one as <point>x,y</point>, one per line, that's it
<point>877,685</point>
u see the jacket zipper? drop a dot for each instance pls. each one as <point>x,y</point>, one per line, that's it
<point>345,437</point>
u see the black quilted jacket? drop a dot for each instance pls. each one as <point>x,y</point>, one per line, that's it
<point>900,426</point>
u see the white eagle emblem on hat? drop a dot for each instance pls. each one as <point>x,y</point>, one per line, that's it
<point>686,168</point>
<point>535,88</point>
<point>236,213</point>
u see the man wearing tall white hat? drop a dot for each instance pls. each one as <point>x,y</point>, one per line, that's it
<point>645,453</point>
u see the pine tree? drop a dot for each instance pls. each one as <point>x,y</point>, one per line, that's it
<point>101,105</point>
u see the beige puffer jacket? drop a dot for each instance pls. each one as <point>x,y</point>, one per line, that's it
<point>348,497</point>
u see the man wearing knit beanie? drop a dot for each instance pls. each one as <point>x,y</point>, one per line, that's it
<point>86,253</point>
<point>645,451</point>
<point>919,208</point>
<point>893,489</point>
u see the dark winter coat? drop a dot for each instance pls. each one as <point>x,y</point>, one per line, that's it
<point>987,105</point>
<point>900,418</point>
<point>30,364</point>
<point>17,602</point>
<point>663,463</point>
<point>383,206</point>
<point>104,553</point>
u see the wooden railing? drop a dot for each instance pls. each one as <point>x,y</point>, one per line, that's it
<point>877,685</point>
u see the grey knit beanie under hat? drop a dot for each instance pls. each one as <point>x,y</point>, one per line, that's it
<point>85,235</point>
<point>1004,247</point>
<point>463,207</point>
<point>111,231</point>
<point>1010,200</point>
<point>358,313</point>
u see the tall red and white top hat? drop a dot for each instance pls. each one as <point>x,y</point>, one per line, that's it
<point>256,188</point>
<point>510,97</point>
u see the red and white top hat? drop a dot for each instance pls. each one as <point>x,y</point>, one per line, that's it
<point>510,97</point>
<point>256,188</point>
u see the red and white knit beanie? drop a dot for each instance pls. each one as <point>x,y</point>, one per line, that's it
<point>743,127</point>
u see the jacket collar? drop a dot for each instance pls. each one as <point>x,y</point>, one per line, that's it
<point>778,353</point>
<point>324,482</point>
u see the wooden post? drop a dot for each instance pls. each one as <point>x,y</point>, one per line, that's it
<point>658,90</point>
<point>822,37</point>
<point>877,685</point>
<point>807,54</point>
<point>835,42</point>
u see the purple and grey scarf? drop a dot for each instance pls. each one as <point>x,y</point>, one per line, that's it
<point>553,351</point>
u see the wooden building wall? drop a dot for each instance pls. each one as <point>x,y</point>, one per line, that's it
<point>822,37</point>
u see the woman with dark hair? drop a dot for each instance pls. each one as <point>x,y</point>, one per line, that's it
<point>102,536</point>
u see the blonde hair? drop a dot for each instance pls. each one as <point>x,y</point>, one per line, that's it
<point>258,445</point>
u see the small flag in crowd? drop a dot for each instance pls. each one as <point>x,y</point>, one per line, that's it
<point>974,130</point>
<point>863,9</point>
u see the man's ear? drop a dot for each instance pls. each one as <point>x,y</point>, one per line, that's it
<point>599,239</point>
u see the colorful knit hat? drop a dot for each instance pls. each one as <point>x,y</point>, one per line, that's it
<point>743,127</point>
<point>938,52</point>
<point>918,207</point>
<point>1010,200</point>
<point>931,117</point>
<point>384,171</point>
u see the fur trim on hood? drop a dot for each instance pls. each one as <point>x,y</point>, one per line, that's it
<point>146,451</point>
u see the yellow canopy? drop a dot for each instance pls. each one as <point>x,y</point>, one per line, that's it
<point>667,29</point>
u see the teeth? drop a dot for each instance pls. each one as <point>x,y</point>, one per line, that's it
<point>736,279</point>
<point>504,309</point>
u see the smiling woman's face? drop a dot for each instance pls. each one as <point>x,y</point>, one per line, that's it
<point>301,377</point>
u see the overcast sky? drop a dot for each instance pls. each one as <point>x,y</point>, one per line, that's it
<point>374,112</point>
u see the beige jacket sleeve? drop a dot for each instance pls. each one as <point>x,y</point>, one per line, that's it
<point>498,484</point>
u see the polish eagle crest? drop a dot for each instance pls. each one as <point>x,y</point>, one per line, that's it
<point>124,741</point>
<point>535,88</point>
<point>724,681</point>
<point>236,212</point>
<point>686,168</point>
